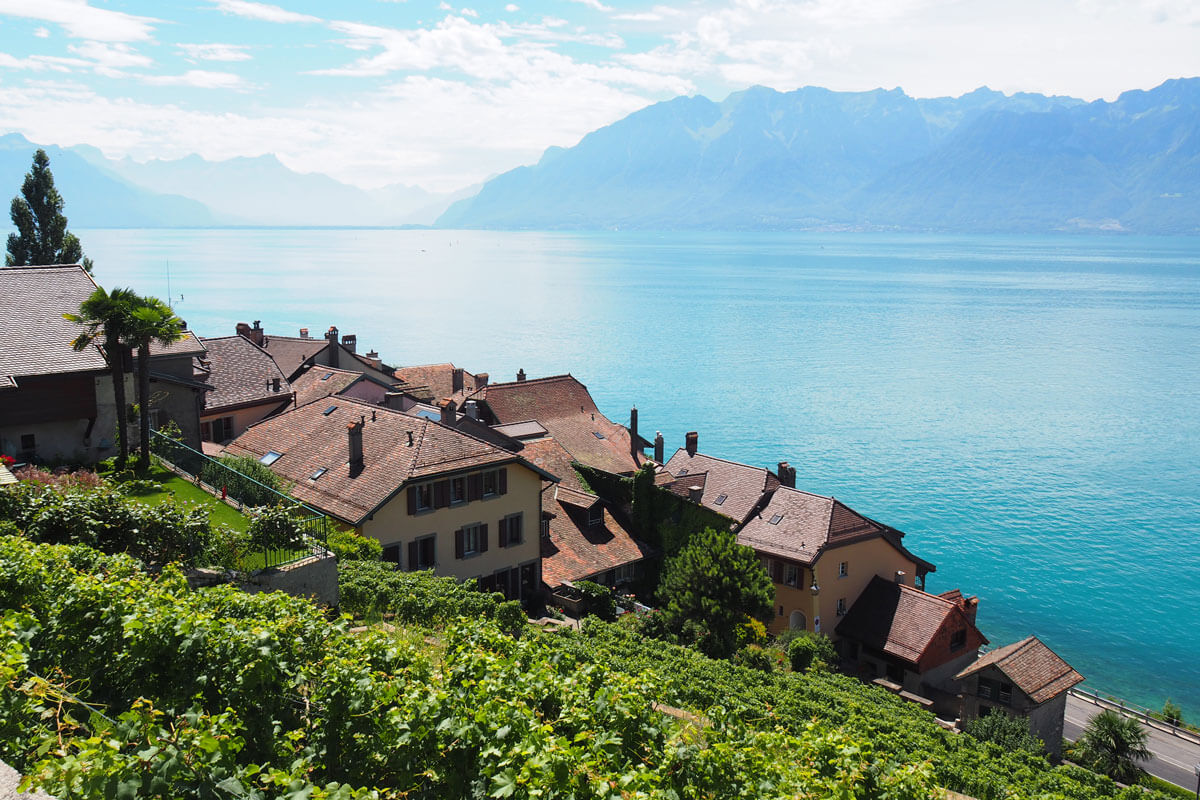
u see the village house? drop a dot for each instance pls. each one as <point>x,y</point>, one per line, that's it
<point>317,381</point>
<point>177,387</point>
<point>246,386</point>
<point>434,497</point>
<point>910,641</point>
<point>731,489</point>
<point>293,353</point>
<point>431,383</point>
<point>1025,679</point>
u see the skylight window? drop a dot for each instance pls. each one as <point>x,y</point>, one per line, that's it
<point>270,458</point>
<point>329,410</point>
<point>775,520</point>
<point>598,434</point>
<point>317,474</point>
<point>327,376</point>
<point>721,499</point>
<point>682,472</point>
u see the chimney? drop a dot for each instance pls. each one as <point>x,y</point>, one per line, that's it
<point>481,380</point>
<point>355,432</point>
<point>304,333</point>
<point>456,380</point>
<point>520,376</point>
<point>787,475</point>
<point>900,576</point>
<point>695,493</point>
<point>256,333</point>
<point>970,607</point>
<point>374,358</point>
<point>350,342</point>
<point>448,408</point>
<point>275,385</point>
<point>692,442</point>
<point>658,446</point>
<point>394,400</point>
<point>634,448</point>
<point>332,338</point>
<point>471,409</point>
<point>243,329</point>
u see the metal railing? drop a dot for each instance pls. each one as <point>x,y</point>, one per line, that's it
<point>1146,715</point>
<point>244,493</point>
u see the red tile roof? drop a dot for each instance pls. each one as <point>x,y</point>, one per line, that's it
<point>1032,666</point>
<point>904,622</point>
<point>742,484</point>
<point>809,523</point>
<point>310,439</point>
<point>312,384</point>
<point>575,550</point>
<point>34,337</point>
<point>290,352</point>
<point>440,380</point>
<point>241,373</point>
<point>565,408</point>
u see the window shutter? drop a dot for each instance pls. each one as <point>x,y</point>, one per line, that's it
<point>441,494</point>
<point>414,559</point>
<point>515,534</point>
<point>474,486</point>
<point>391,554</point>
<point>483,538</point>
<point>412,500</point>
<point>503,534</point>
<point>502,481</point>
<point>777,571</point>
<point>458,543</point>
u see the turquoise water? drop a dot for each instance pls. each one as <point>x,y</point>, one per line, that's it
<point>1024,408</point>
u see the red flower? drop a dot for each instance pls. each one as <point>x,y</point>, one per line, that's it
<point>7,461</point>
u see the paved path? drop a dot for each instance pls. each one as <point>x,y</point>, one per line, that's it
<point>1175,756</point>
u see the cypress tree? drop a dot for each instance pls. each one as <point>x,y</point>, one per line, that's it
<point>42,236</point>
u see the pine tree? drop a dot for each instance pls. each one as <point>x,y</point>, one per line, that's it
<point>42,236</point>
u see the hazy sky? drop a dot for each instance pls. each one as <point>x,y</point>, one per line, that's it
<point>423,92</point>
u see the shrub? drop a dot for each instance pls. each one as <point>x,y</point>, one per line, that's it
<point>597,600</point>
<point>227,548</point>
<point>809,648</point>
<point>244,479</point>
<point>276,528</point>
<point>350,546</point>
<point>1011,733</point>
<point>1172,713</point>
<point>756,657</point>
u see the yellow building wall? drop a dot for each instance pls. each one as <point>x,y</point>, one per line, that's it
<point>243,417</point>
<point>392,524</point>
<point>864,560</point>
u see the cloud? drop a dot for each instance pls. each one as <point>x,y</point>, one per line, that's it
<point>41,32</point>
<point>110,59</point>
<point>42,63</point>
<point>264,12</point>
<point>512,8</point>
<point>212,51</point>
<point>83,21</point>
<point>594,4</point>
<point>198,79</point>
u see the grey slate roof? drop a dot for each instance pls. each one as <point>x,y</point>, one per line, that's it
<point>189,345</point>
<point>34,337</point>
<point>290,352</point>
<point>241,372</point>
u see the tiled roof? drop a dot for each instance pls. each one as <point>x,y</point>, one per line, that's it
<point>310,439</point>
<point>189,345</point>
<point>742,484</point>
<point>290,352</point>
<point>34,337</point>
<point>565,408</point>
<point>439,378</point>
<point>240,372</point>
<point>319,381</point>
<point>1032,666</point>
<point>898,620</point>
<point>553,457</point>
<point>683,486</point>
<point>576,550</point>
<point>809,523</point>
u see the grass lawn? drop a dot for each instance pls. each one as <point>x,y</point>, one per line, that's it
<point>175,486</point>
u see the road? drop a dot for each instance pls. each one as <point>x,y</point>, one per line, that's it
<point>1175,757</point>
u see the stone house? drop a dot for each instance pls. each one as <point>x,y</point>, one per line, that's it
<point>246,386</point>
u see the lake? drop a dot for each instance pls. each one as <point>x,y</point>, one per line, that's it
<point>1024,408</point>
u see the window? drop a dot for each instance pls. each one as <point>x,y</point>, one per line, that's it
<point>470,540</point>
<point>489,483</point>
<point>775,520</point>
<point>329,411</point>
<point>681,473</point>
<point>843,569</point>
<point>422,553</point>
<point>28,441</point>
<point>721,499</point>
<point>596,515</point>
<point>318,473</point>
<point>391,554</point>
<point>327,376</point>
<point>270,458</point>
<point>424,496</point>
<point>791,575</point>
<point>510,530</point>
<point>598,434</point>
<point>841,608</point>
<point>217,430</point>
<point>958,640</point>
<point>1006,693</point>
<point>458,490</point>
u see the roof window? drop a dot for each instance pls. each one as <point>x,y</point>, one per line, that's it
<point>598,434</point>
<point>775,520</point>
<point>329,411</point>
<point>270,458</point>
<point>317,474</point>
<point>721,499</point>
<point>327,376</point>
<point>682,472</point>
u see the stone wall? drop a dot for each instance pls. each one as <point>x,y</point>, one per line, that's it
<point>315,577</point>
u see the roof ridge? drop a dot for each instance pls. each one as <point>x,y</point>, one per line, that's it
<point>543,379</point>
<point>717,458</point>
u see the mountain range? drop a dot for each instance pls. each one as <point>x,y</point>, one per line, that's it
<point>879,160</point>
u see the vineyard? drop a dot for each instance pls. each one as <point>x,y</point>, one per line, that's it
<point>121,684</point>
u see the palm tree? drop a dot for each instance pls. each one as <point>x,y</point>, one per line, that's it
<point>109,313</point>
<point>152,322</point>
<point>1113,744</point>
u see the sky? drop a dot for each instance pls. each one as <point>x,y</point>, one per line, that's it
<point>426,93</point>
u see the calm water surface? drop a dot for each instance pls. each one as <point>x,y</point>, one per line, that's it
<point>1024,408</point>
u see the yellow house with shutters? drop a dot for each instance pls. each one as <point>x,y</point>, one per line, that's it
<point>434,497</point>
<point>821,555</point>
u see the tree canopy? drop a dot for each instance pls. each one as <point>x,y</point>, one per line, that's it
<point>1114,744</point>
<point>42,236</point>
<point>713,586</point>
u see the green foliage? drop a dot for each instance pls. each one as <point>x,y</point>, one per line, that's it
<point>276,528</point>
<point>597,600</point>
<point>1114,744</point>
<point>1172,713</point>
<point>151,322</point>
<point>807,649</point>
<point>42,236</point>
<point>350,546</point>
<point>244,479</point>
<point>1010,732</point>
<point>757,657</point>
<point>710,588</point>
